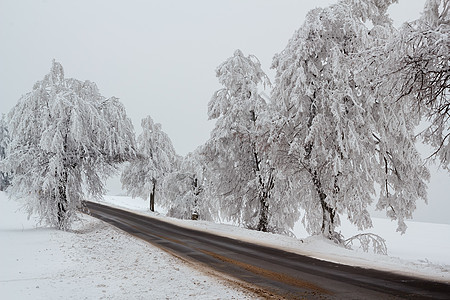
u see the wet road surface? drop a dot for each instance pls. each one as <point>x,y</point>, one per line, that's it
<point>273,272</point>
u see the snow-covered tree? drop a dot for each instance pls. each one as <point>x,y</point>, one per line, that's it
<point>65,138</point>
<point>338,136</point>
<point>156,158</point>
<point>420,64</point>
<point>238,152</point>
<point>185,190</point>
<point>5,177</point>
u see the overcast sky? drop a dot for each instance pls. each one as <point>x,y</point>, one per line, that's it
<point>159,57</point>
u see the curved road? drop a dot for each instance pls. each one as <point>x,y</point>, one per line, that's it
<point>277,273</point>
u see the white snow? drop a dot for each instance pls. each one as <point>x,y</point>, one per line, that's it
<point>422,251</point>
<point>94,261</point>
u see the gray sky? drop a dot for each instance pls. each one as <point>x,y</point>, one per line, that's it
<point>159,57</point>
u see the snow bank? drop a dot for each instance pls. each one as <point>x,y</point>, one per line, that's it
<point>94,261</point>
<point>423,251</point>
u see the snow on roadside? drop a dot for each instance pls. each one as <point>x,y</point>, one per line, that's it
<point>94,261</point>
<point>422,251</point>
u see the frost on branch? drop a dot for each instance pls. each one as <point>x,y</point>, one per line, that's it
<point>366,241</point>
<point>65,138</point>
<point>156,158</point>
<point>418,64</point>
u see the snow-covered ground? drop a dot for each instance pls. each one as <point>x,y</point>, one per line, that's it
<point>94,261</point>
<point>422,251</point>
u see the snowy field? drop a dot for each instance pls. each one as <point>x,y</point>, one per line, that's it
<point>95,261</point>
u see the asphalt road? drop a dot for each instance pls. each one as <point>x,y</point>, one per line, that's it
<point>274,273</point>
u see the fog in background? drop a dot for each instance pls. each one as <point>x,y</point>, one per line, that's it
<point>159,57</point>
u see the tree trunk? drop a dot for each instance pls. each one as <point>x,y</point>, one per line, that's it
<point>265,188</point>
<point>327,219</point>
<point>62,189</point>
<point>263,215</point>
<point>62,202</point>
<point>152,200</point>
<point>152,196</point>
<point>62,213</point>
<point>328,213</point>
<point>196,193</point>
